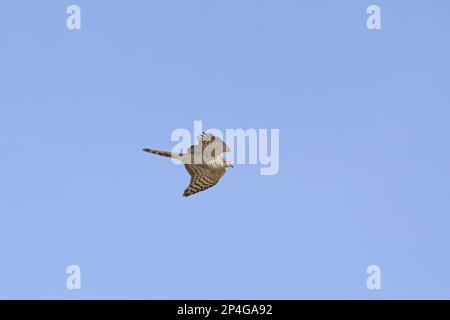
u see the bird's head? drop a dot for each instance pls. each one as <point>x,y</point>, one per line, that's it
<point>225,147</point>
<point>219,145</point>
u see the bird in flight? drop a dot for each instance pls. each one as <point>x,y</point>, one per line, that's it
<point>202,161</point>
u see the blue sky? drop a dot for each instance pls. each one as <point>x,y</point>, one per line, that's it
<point>364,149</point>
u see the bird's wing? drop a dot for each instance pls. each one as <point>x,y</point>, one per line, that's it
<point>206,138</point>
<point>202,177</point>
<point>209,143</point>
<point>203,141</point>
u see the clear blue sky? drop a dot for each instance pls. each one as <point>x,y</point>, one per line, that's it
<point>364,155</point>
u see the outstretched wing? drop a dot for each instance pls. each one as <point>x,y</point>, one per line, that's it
<point>210,143</point>
<point>206,138</point>
<point>202,177</point>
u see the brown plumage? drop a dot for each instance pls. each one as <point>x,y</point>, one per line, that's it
<point>202,161</point>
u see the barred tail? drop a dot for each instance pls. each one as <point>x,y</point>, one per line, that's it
<point>160,153</point>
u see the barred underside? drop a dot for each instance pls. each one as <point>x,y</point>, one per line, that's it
<point>202,162</point>
<point>202,177</point>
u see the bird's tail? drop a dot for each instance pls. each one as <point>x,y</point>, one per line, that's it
<point>162,153</point>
